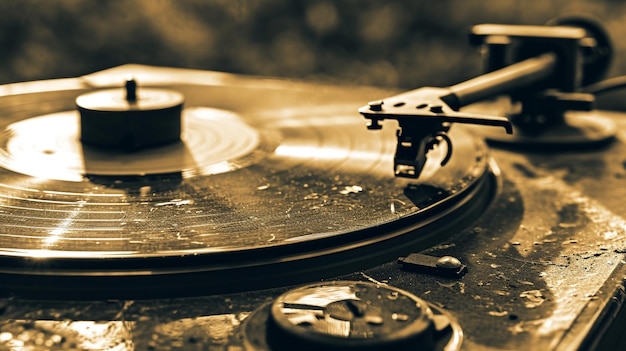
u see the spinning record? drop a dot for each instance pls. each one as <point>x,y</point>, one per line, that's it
<point>272,183</point>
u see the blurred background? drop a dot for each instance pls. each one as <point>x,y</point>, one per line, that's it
<point>391,43</point>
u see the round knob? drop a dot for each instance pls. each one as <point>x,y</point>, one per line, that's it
<point>349,316</point>
<point>129,119</point>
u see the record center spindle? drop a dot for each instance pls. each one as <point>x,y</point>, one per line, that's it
<point>129,119</point>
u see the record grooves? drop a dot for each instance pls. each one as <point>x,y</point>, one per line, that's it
<point>305,194</point>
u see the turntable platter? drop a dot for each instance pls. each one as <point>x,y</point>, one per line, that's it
<point>270,186</point>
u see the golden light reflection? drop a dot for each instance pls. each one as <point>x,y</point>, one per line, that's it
<point>325,153</point>
<point>373,162</point>
<point>49,147</point>
<point>39,335</point>
<point>120,335</point>
<point>64,225</point>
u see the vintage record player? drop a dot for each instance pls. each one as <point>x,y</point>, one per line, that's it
<point>157,208</point>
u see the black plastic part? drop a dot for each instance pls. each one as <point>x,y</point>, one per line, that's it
<point>597,59</point>
<point>532,41</point>
<point>126,120</point>
<point>130,130</point>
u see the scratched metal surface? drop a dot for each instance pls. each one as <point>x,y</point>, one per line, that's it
<point>543,262</point>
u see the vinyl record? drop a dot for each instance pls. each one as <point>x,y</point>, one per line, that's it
<point>274,182</point>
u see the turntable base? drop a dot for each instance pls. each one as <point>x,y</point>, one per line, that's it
<point>542,236</point>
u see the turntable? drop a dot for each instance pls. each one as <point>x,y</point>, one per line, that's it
<point>162,208</point>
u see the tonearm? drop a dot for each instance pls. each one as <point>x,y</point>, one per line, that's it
<point>541,68</point>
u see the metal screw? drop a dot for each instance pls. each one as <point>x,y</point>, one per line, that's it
<point>374,124</point>
<point>436,108</point>
<point>376,105</point>
<point>131,89</point>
